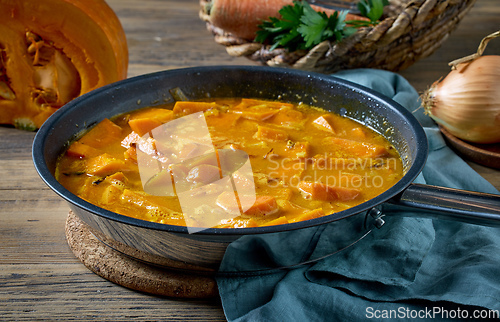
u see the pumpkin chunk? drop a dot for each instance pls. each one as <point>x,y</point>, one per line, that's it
<point>161,115</point>
<point>143,125</point>
<point>316,213</point>
<point>278,221</point>
<point>269,134</point>
<point>189,107</point>
<point>356,148</point>
<point>324,123</point>
<point>238,223</point>
<point>289,118</point>
<point>299,150</point>
<point>251,102</point>
<point>80,150</point>
<point>111,194</point>
<point>323,192</point>
<point>102,135</point>
<point>256,115</point>
<point>104,165</point>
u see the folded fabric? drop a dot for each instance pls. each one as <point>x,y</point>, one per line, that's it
<point>410,268</point>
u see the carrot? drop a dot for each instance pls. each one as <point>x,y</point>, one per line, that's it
<point>242,17</point>
<point>263,206</point>
<point>323,192</point>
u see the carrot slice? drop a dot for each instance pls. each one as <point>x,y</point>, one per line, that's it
<point>263,206</point>
<point>323,192</point>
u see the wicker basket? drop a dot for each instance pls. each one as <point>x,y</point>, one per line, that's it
<point>409,31</point>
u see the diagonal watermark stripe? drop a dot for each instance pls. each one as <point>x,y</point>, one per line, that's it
<point>179,159</point>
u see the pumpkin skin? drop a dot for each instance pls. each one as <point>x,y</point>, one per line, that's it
<point>52,51</point>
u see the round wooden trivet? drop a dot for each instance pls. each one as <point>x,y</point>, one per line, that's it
<point>128,272</point>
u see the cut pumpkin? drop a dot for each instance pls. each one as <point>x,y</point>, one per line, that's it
<point>52,51</point>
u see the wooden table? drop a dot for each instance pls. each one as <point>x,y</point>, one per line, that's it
<point>39,276</point>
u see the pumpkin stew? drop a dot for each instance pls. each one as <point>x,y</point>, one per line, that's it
<point>229,163</point>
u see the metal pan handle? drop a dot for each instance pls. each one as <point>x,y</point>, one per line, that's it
<point>447,203</point>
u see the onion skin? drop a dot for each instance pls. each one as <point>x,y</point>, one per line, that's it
<point>467,101</point>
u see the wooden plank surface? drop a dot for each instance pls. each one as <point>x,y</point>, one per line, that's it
<point>39,276</point>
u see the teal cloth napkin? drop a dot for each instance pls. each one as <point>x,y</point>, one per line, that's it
<point>411,268</point>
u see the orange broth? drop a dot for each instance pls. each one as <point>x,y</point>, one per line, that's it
<point>306,162</point>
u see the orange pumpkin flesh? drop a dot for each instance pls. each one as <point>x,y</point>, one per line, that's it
<point>52,51</point>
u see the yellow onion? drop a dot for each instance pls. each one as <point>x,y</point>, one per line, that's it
<point>467,101</point>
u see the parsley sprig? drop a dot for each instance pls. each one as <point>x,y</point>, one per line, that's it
<point>301,27</point>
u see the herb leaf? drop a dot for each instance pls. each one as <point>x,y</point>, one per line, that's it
<point>314,26</point>
<point>301,27</point>
<point>372,9</point>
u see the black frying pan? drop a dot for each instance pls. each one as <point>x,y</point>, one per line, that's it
<point>166,244</point>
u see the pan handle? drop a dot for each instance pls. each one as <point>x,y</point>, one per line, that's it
<point>448,203</point>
